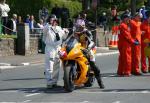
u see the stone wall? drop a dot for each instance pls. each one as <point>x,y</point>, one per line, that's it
<point>7,47</point>
<point>33,46</point>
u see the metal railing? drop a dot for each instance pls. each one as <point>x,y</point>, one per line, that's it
<point>36,32</point>
<point>8,30</point>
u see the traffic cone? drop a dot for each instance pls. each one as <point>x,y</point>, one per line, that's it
<point>113,43</point>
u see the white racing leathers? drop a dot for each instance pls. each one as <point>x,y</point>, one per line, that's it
<point>51,52</point>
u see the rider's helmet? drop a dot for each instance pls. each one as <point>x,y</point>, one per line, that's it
<point>80,25</point>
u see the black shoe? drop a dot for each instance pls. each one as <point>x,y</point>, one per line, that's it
<point>100,83</point>
<point>149,69</point>
<point>137,74</point>
<point>52,86</point>
<point>144,71</point>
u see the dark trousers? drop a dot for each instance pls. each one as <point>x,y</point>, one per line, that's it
<point>95,69</point>
<point>4,23</point>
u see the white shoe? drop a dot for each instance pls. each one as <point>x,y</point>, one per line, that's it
<point>51,84</point>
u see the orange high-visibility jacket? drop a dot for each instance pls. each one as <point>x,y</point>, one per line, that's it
<point>145,26</point>
<point>135,30</point>
<point>125,35</point>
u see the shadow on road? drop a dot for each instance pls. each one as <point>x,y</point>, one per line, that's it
<point>22,79</point>
<point>116,75</point>
<point>58,89</point>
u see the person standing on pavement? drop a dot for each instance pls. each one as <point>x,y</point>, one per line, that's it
<point>43,14</point>
<point>145,27</point>
<point>4,9</point>
<point>124,45</point>
<point>52,37</point>
<point>32,24</point>
<point>135,24</point>
<point>12,25</point>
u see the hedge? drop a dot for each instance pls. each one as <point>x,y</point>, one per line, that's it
<point>8,36</point>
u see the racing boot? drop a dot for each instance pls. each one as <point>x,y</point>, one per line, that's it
<point>100,83</point>
<point>97,74</point>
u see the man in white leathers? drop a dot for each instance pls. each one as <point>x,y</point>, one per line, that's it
<point>53,44</point>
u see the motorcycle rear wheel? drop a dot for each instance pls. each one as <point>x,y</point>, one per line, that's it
<point>68,79</point>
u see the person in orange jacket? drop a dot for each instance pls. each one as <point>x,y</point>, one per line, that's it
<point>145,27</point>
<point>124,46</point>
<point>136,49</point>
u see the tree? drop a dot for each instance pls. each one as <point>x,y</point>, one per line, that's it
<point>133,7</point>
<point>24,7</point>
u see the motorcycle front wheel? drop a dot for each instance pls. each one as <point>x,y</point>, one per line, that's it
<point>68,79</point>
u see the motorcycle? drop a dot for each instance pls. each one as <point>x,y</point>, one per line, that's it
<point>147,48</point>
<point>77,71</point>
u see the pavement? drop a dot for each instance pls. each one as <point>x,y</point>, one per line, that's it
<point>19,60</point>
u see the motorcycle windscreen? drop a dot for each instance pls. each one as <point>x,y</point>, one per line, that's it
<point>70,44</point>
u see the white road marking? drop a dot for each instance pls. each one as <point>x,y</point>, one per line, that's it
<point>116,102</point>
<point>26,64</point>
<point>7,67</point>
<point>145,91</point>
<point>26,101</point>
<point>85,102</point>
<point>9,91</point>
<point>7,102</point>
<point>6,64</point>
<point>33,94</point>
<point>104,54</point>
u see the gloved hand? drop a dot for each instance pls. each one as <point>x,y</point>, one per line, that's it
<point>136,42</point>
<point>86,52</point>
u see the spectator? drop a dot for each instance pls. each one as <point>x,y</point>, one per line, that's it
<point>128,12</point>
<point>19,20</point>
<point>114,11</point>
<point>64,17</point>
<point>39,31</point>
<point>27,19</point>
<point>4,9</point>
<point>40,25</point>
<point>32,24</point>
<point>43,14</point>
<point>142,12</point>
<point>103,21</point>
<point>12,28</point>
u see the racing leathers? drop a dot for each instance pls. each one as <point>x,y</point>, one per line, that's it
<point>89,46</point>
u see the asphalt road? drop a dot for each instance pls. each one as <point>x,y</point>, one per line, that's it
<point>27,84</point>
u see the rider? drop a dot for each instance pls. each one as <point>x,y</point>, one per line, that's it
<point>79,30</point>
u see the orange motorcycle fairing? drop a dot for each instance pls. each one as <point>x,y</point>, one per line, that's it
<point>77,55</point>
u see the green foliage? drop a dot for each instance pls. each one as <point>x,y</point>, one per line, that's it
<point>73,5</point>
<point>8,36</point>
<point>24,7</point>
